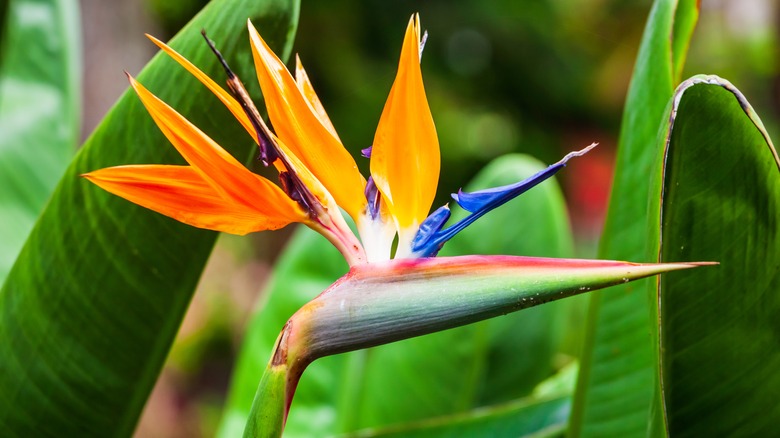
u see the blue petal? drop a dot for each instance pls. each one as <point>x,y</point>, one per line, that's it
<point>478,203</point>
<point>430,227</point>
<point>366,152</point>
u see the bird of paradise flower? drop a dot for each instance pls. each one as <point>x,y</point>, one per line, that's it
<point>317,175</point>
<point>379,300</point>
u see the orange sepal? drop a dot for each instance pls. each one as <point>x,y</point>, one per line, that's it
<point>304,84</point>
<point>297,124</point>
<point>405,160</point>
<point>223,95</point>
<point>180,192</point>
<point>228,177</point>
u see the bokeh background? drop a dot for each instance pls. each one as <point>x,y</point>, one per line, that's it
<point>543,78</point>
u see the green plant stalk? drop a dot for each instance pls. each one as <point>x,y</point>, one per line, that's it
<point>381,303</point>
<point>274,385</point>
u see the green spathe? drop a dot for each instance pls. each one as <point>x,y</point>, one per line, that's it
<point>399,299</point>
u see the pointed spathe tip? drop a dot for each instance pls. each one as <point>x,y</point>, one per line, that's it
<point>689,265</point>
<point>686,265</point>
<point>649,269</point>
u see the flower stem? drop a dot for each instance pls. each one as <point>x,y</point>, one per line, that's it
<point>269,411</point>
<point>276,389</point>
<point>338,233</point>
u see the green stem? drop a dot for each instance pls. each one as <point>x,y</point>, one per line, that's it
<point>269,407</point>
<point>276,389</point>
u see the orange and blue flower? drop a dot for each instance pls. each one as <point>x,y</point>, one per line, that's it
<point>318,177</point>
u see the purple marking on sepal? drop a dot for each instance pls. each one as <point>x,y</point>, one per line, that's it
<point>268,152</point>
<point>366,152</point>
<point>373,197</point>
<point>480,202</point>
<point>430,227</point>
<point>288,186</point>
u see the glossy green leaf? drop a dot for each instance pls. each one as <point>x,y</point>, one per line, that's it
<point>40,111</point>
<point>617,372</point>
<point>91,306</point>
<point>528,417</point>
<point>545,413</point>
<point>719,326</point>
<point>538,225</point>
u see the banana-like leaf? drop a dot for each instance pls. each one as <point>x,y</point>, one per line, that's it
<point>533,417</point>
<point>91,306</point>
<point>545,413</point>
<point>618,371</point>
<point>538,226</point>
<point>40,111</point>
<point>720,200</point>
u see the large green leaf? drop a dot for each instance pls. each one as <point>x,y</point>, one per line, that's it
<point>617,372</point>
<point>545,413</point>
<point>719,326</point>
<point>91,306</point>
<point>459,368</point>
<point>40,111</point>
<point>523,418</point>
